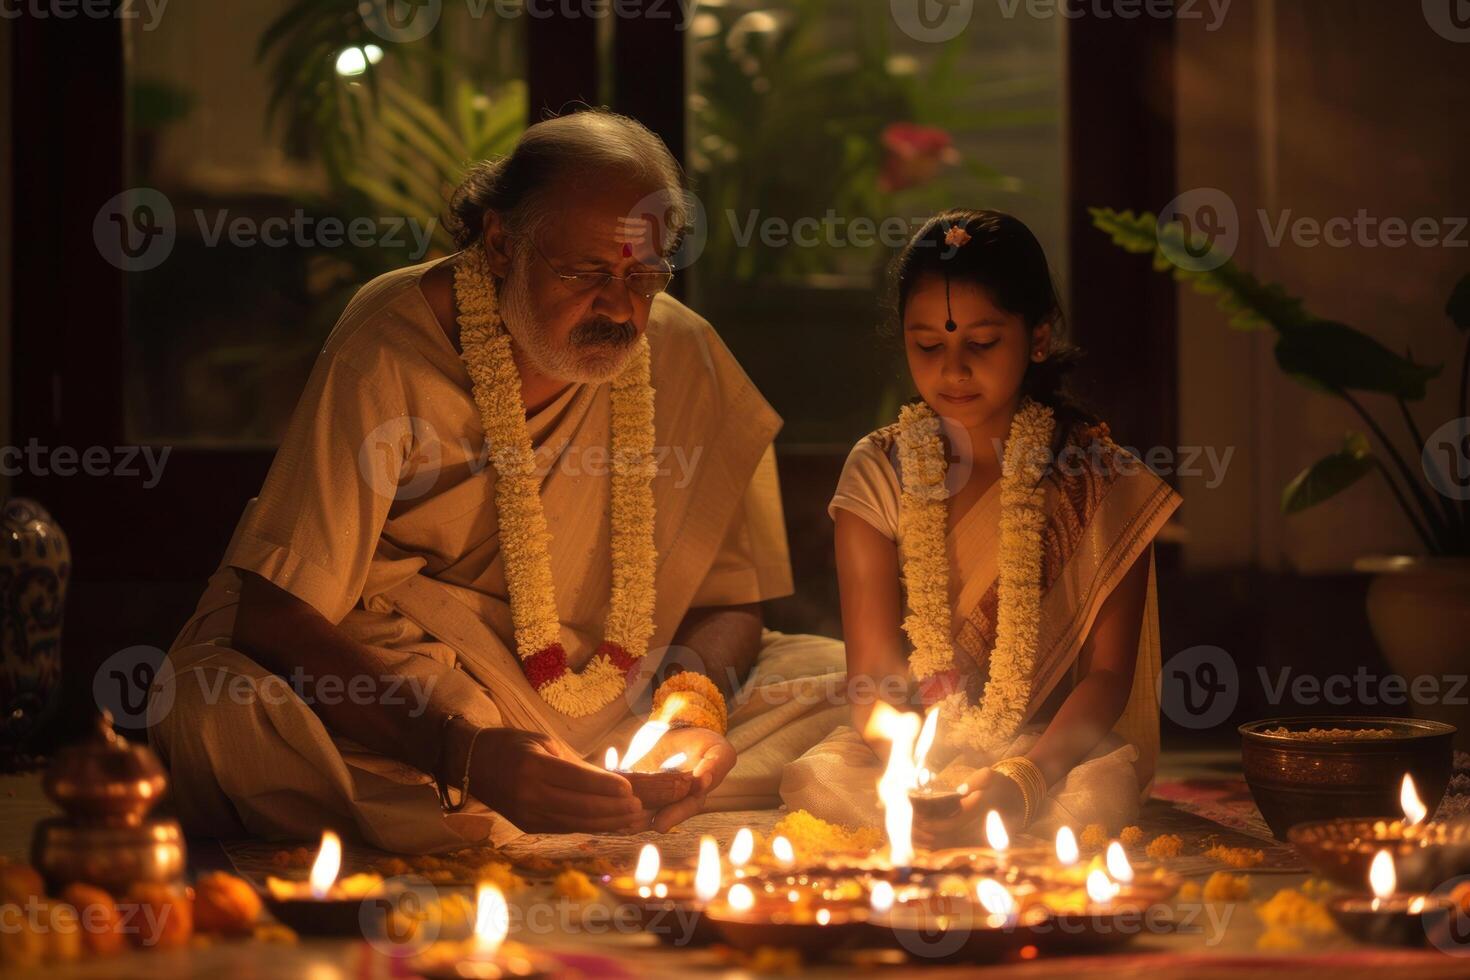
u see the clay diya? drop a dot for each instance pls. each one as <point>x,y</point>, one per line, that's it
<point>486,955</point>
<point>747,918</point>
<point>671,901</point>
<point>325,905</point>
<point>1424,852</point>
<point>1388,917</point>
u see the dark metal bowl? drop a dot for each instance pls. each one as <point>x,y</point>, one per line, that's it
<point>1295,780</point>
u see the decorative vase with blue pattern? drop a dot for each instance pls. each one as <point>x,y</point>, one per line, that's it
<point>35,564</point>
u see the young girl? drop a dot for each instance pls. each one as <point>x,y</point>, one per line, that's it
<point>994,552</point>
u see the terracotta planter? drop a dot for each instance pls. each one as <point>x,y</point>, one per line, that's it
<point>1419,609</point>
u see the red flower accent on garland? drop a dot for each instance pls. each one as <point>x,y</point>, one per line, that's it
<point>545,666</point>
<point>620,657</point>
<point>937,687</point>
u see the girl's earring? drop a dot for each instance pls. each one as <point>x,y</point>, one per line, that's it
<point>1038,355</point>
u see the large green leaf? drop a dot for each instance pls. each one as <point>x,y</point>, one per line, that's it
<point>1329,476</point>
<point>1249,303</point>
<point>1335,357</point>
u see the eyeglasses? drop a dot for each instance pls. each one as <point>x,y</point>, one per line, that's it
<point>646,284</point>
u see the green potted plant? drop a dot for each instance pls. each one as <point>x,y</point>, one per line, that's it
<point>1418,605</point>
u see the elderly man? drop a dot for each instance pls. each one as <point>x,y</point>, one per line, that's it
<point>524,489</point>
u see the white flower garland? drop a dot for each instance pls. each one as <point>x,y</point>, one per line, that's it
<point>524,538</point>
<point>923,510</point>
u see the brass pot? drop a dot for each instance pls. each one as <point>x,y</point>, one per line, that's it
<point>109,857</point>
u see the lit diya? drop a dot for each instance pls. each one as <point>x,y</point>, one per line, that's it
<point>670,901</point>
<point>1389,917</point>
<point>486,955</point>
<point>750,916</point>
<point>658,788</point>
<point>1424,852</point>
<point>325,905</point>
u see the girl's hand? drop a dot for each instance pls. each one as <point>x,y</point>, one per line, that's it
<point>988,790</point>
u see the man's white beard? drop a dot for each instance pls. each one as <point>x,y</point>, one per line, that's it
<point>563,361</point>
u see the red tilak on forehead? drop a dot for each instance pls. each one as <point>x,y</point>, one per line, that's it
<point>627,249</point>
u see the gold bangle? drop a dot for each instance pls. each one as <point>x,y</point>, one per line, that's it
<point>701,703</point>
<point>1028,778</point>
<point>690,682</point>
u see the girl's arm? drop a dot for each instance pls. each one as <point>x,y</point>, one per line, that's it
<point>867,576</point>
<point>1105,664</point>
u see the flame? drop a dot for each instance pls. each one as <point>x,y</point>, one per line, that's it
<point>1067,852</point>
<point>647,869</point>
<point>926,738</point>
<point>1414,809</point>
<point>492,918</point>
<point>1416,907</point>
<point>882,898</point>
<point>643,741</point>
<point>1118,866</point>
<point>741,898</point>
<point>994,897</point>
<point>824,916</point>
<point>783,851</point>
<point>610,761</point>
<point>328,862</point>
<point>707,873</point>
<point>899,728</point>
<point>1381,875</point>
<point>995,831</point>
<point>1100,888</point>
<point>742,847</point>
<point>675,761</point>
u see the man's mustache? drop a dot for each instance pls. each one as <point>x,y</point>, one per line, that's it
<point>602,332</point>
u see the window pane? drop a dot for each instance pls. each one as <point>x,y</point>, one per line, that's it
<point>821,132</point>
<point>294,151</point>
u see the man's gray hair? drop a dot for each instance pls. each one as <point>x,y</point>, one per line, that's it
<point>555,154</point>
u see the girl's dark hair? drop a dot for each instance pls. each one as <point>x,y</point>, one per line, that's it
<point>1004,258</point>
<point>589,145</point>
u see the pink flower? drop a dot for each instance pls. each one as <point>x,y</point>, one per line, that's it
<point>913,154</point>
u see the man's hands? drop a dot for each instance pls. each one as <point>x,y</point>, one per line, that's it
<point>711,758</point>
<point>520,775</point>
<point>988,790</point>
